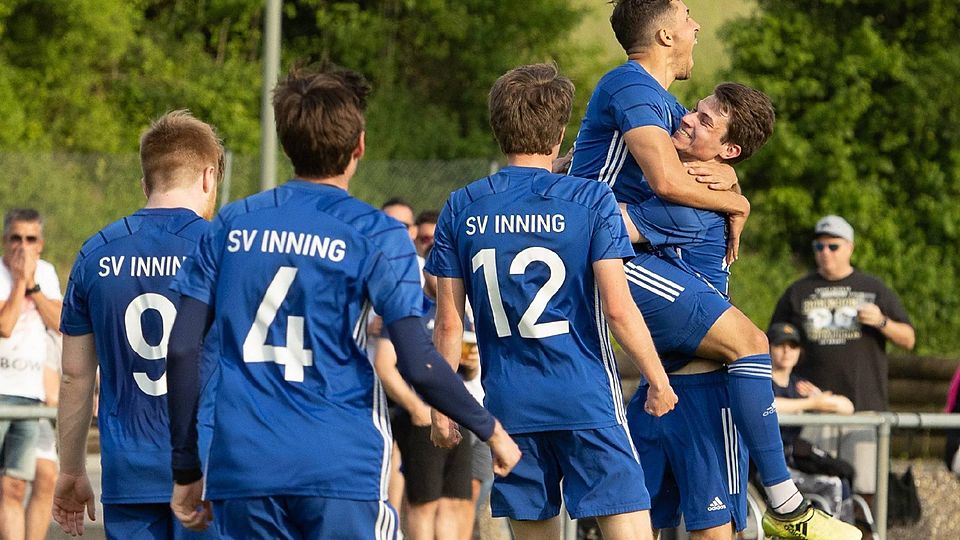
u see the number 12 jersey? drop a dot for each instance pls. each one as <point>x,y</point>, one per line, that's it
<point>524,241</point>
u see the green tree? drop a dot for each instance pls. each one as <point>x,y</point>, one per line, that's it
<point>867,124</point>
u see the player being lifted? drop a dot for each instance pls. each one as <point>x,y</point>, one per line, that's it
<point>543,297</point>
<point>301,443</point>
<point>117,315</point>
<point>625,141</point>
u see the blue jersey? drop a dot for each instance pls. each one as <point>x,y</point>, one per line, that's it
<point>119,291</point>
<point>291,274</point>
<point>627,97</point>
<point>523,241</point>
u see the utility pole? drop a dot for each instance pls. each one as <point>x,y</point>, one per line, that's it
<point>268,126</point>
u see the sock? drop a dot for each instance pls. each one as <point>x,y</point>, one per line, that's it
<point>751,402</point>
<point>784,497</point>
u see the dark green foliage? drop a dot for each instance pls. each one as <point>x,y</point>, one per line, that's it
<point>867,127</point>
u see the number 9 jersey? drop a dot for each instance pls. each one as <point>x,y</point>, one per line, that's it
<point>119,291</point>
<point>523,241</point>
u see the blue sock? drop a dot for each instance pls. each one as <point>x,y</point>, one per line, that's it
<point>751,402</point>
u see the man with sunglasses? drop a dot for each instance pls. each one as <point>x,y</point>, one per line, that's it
<point>846,318</point>
<point>29,306</point>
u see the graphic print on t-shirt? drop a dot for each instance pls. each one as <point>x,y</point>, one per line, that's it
<point>830,314</point>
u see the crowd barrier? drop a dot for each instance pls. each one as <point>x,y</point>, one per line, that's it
<point>883,423</point>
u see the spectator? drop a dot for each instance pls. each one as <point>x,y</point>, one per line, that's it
<point>426,225</point>
<point>952,454</point>
<point>30,303</point>
<point>814,470</point>
<point>41,491</point>
<point>846,318</point>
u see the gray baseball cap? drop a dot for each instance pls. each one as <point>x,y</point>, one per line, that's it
<point>834,226</point>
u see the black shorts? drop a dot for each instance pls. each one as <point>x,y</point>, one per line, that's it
<point>431,472</point>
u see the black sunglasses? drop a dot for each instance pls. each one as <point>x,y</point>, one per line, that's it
<point>16,239</point>
<point>819,246</point>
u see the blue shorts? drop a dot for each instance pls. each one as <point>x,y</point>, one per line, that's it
<point>18,442</point>
<point>678,307</point>
<point>288,517</point>
<point>693,459</point>
<point>599,468</point>
<point>149,520</point>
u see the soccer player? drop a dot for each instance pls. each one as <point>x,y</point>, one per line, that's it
<point>117,315</point>
<point>542,298</point>
<point>301,442</point>
<point>625,140</point>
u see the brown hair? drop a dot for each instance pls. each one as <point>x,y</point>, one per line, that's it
<point>635,22</point>
<point>529,107</point>
<point>751,117</point>
<point>176,147</point>
<point>320,118</point>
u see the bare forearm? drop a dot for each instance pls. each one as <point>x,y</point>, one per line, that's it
<point>49,310</point>
<point>448,339</point>
<point>632,334</point>
<point>10,310</point>
<point>73,420</point>
<point>901,334</point>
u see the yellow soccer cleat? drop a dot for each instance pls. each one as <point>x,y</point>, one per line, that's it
<point>808,524</point>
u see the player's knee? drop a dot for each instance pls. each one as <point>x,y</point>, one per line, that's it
<point>752,342</point>
<point>14,489</point>
<point>46,478</point>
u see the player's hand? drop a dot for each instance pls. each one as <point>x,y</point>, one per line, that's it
<point>505,452</point>
<point>736,224</point>
<point>660,400</point>
<point>717,176</point>
<point>444,432</point>
<point>870,315</point>
<point>72,495</point>
<point>561,165</point>
<point>189,507</point>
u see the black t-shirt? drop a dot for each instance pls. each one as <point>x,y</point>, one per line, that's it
<point>840,354</point>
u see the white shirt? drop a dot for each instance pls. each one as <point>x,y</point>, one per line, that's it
<point>24,354</point>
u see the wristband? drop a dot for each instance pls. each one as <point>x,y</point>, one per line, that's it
<point>32,290</point>
<point>884,322</point>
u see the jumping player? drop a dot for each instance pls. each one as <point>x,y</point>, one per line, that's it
<point>301,442</point>
<point>543,300</point>
<point>625,140</point>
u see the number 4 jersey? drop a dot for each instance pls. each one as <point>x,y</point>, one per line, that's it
<point>119,291</point>
<point>291,274</point>
<point>524,241</point>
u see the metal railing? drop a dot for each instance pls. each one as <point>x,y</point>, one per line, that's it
<point>21,412</point>
<point>883,423</point>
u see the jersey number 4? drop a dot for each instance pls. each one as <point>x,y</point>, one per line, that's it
<point>528,325</point>
<point>293,356</point>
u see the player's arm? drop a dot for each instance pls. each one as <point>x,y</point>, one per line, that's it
<point>385,364</point>
<point>431,376</point>
<point>448,339</point>
<point>73,493</point>
<point>193,320</point>
<point>631,332</point>
<point>654,152</point>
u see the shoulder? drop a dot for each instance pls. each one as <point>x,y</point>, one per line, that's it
<point>579,191</point>
<point>627,82</point>
<point>869,280</point>
<point>121,228</point>
<point>44,268</point>
<point>189,227</point>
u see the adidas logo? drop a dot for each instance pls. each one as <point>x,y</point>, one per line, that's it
<point>717,504</point>
<point>797,528</point>
<point>770,410</point>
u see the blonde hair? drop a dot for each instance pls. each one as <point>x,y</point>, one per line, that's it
<point>177,146</point>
